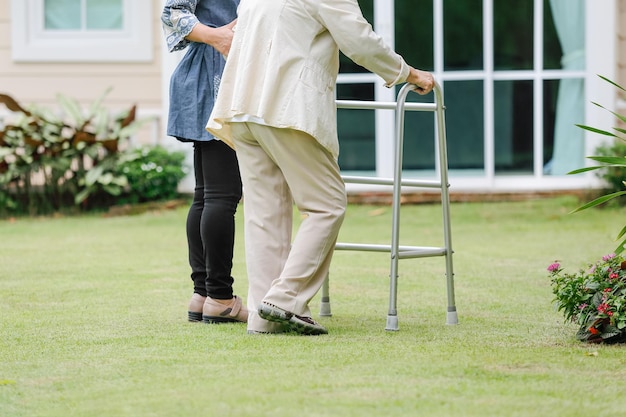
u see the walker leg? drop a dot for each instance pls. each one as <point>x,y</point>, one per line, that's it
<point>325,302</point>
<point>452,317</point>
<point>392,322</point>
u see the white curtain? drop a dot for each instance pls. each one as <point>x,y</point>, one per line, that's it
<point>62,14</point>
<point>568,154</point>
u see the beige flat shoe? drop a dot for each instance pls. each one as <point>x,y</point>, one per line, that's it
<point>194,311</point>
<point>224,311</point>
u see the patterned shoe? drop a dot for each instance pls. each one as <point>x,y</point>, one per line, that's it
<point>214,311</point>
<point>194,311</point>
<point>298,324</point>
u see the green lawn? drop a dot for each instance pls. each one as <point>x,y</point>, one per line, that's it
<point>93,322</point>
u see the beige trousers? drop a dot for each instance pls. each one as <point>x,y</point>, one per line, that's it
<point>280,167</point>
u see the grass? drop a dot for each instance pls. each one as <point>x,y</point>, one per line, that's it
<point>93,322</point>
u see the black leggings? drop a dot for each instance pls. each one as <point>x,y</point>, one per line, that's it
<point>211,218</point>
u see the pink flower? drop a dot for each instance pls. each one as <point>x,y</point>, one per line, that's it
<point>554,267</point>
<point>613,275</point>
<point>609,256</point>
<point>604,308</point>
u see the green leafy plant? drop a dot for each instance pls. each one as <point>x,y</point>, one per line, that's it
<point>613,176</point>
<point>51,161</point>
<point>607,162</point>
<point>594,298</point>
<point>153,174</point>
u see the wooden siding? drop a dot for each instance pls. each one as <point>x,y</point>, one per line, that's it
<point>134,83</point>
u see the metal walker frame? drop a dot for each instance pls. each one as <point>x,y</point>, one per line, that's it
<point>403,252</point>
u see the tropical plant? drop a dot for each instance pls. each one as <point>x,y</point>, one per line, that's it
<point>607,162</point>
<point>613,176</point>
<point>53,160</point>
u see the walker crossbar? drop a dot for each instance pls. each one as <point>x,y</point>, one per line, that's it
<point>404,252</point>
<point>390,181</point>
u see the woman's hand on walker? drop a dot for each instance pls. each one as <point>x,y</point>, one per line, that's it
<point>423,80</point>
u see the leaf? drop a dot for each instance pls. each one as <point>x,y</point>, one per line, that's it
<point>619,116</point>
<point>619,129</point>
<point>105,179</point>
<point>93,175</point>
<point>81,196</point>
<point>126,118</point>
<point>112,189</point>
<point>129,130</point>
<point>96,106</point>
<point>101,123</point>
<point>610,331</point>
<point>620,248</point>
<point>72,108</point>
<point>597,299</point>
<point>612,82</point>
<point>599,201</point>
<point>12,105</point>
<point>595,130</point>
<point>613,160</point>
<point>579,170</point>
<point>121,181</point>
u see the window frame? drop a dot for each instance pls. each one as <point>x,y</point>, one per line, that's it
<point>598,61</point>
<point>32,43</point>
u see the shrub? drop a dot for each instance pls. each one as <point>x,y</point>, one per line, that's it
<point>77,160</point>
<point>153,174</point>
<point>594,298</point>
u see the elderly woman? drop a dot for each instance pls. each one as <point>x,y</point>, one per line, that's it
<point>276,107</point>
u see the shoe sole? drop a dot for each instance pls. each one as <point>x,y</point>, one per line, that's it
<point>292,321</point>
<point>219,320</point>
<point>194,316</point>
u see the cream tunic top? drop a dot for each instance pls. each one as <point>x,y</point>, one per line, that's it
<point>284,61</point>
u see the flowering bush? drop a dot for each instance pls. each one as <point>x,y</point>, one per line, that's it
<point>595,299</point>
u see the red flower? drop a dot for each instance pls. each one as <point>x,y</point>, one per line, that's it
<point>604,308</point>
<point>593,330</point>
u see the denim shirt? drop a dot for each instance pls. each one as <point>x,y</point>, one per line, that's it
<point>196,79</point>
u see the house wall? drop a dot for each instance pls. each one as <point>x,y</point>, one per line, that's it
<point>133,83</point>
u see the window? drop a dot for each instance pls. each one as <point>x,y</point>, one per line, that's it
<point>82,30</point>
<point>516,80</point>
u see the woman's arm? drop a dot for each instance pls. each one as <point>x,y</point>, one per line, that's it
<point>358,41</point>
<point>178,20</point>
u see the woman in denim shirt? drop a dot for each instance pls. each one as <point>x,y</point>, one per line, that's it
<point>204,28</point>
